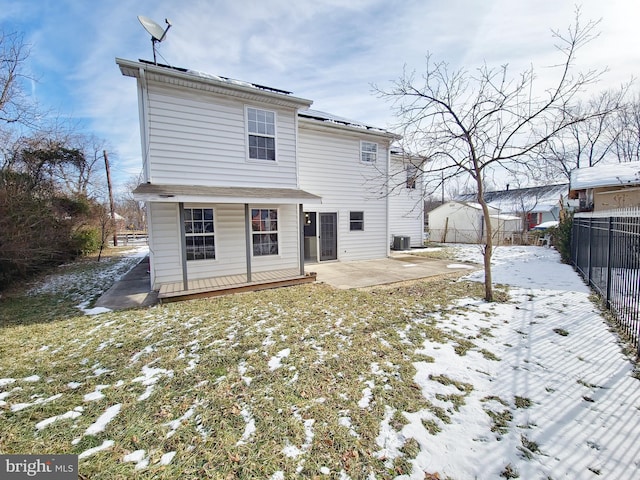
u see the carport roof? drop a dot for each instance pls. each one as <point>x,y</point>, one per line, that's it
<point>199,193</point>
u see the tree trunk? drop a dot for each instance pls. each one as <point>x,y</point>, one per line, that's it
<point>488,244</point>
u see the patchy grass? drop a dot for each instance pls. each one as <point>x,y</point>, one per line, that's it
<point>293,380</point>
<point>509,472</point>
<point>522,402</point>
<point>437,253</point>
<point>528,448</point>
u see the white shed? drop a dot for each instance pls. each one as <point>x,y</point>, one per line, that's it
<point>463,222</point>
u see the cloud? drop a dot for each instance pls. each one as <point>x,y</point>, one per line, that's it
<point>329,51</point>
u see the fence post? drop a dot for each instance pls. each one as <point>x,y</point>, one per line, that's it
<point>609,268</point>
<point>575,240</point>
<point>589,251</point>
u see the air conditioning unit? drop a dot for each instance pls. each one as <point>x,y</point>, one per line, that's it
<point>401,242</point>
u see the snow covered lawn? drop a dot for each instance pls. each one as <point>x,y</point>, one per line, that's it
<point>421,380</point>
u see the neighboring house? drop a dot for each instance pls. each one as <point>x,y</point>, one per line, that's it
<point>534,205</point>
<point>243,182</point>
<point>606,187</point>
<point>463,222</point>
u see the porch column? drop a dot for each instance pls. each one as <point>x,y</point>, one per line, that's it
<point>183,247</point>
<point>301,248</point>
<point>247,238</point>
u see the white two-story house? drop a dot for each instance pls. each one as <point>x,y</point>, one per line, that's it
<point>244,183</point>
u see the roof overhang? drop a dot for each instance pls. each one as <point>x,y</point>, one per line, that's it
<point>316,123</point>
<point>209,83</point>
<point>202,194</point>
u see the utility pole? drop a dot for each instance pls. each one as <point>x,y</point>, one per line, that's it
<point>113,213</point>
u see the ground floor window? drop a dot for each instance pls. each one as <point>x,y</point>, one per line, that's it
<point>264,226</point>
<point>199,233</point>
<point>356,221</point>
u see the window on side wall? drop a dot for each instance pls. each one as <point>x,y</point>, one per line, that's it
<point>264,227</point>
<point>261,128</point>
<point>199,234</point>
<point>356,221</point>
<point>368,152</point>
<point>412,174</point>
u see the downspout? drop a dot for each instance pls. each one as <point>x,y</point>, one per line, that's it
<point>143,108</point>
<point>387,202</point>
<point>300,206</point>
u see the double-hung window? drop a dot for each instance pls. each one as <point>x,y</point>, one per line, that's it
<point>368,152</point>
<point>261,128</point>
<point>264,227</point>
<point>356,221</point>
<point>199,233</point>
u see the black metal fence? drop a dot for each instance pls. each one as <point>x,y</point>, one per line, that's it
<point>605,250</point>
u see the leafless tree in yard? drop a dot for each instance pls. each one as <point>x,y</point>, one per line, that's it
<point>627,127</point>
<point>15,106</point>
<point>587,143</point>
<point>471,123</point>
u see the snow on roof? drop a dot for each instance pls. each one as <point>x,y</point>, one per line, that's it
<point>607,175</point>
<point>531,199</point>
<point>331,118</point>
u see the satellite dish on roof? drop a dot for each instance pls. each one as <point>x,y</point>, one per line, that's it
<point>156,31</point>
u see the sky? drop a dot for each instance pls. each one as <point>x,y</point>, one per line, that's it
<point>330,51</point>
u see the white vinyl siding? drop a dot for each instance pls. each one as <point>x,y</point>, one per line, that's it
<point>406,217</point>
<point>166,261</point>
<point>201,139</point>
<point>330,166</point>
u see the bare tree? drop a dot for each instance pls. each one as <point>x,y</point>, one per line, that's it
<point>587,143</point>
<point>627,132</point>
<point>472,123</point>
<point>14,104</point>
<point>86,176</point>
<point>131,209</point>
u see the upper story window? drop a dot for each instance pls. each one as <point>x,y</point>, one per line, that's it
<point>412,175</point>
<point>261,128</point>
<point>368,152</point>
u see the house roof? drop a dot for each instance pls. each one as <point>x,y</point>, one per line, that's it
<point>210,83</point>
<point>470,205</point>
<point>240,88</point>
<point>199,193</point>
<point>530,199</point>
<point>607,175</point>
<point>335,119</point>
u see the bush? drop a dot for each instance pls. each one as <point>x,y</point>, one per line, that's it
<point>86,240</point>
<point>562,236</point>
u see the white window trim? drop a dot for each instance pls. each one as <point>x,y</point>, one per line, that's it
<point>277,232</point>
<point>412,176</point>
<point>214,234</point>
<point>247,133</point>
<point>361,221</point>
<point>362,152</point>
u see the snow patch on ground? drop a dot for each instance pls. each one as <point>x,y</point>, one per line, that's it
<point>276,361</point>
